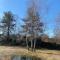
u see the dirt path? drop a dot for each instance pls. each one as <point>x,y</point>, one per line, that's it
<point>6,51</point>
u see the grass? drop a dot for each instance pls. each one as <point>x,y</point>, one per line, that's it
<point>40,53</point>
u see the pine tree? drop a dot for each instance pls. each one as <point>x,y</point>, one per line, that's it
<point>8,22</point>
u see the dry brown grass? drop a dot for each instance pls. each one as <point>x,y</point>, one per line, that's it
<point>43,54</point>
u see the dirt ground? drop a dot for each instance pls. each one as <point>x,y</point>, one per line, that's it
<point>6,53</point>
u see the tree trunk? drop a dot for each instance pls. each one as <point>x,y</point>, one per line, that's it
<point>27,43</point>
<point>8,36</point>
<point>34,44</point>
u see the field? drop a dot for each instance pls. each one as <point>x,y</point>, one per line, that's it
<point>6,53</point>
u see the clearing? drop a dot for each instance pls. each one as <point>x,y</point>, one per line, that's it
<point>7,52</point>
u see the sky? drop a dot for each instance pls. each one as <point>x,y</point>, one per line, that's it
<point>51,8</point>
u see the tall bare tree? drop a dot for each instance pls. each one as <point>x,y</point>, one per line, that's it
<point>33,25</point>
<point>8,23</point>
<point>57,29</point>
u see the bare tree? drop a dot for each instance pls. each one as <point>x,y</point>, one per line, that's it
<point>8,23</point>
<point>57,29</point>
<point>33,25</point>
<point>25,31</point>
